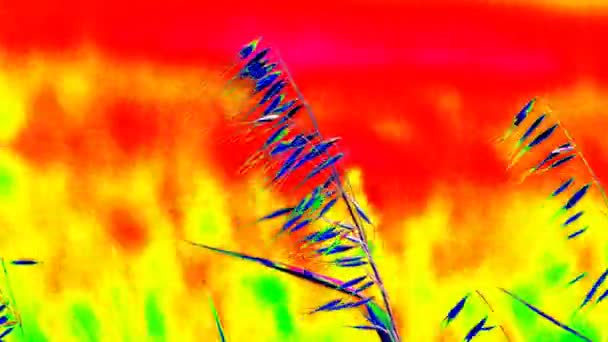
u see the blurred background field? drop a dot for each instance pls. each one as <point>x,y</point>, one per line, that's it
<point>114,149</point>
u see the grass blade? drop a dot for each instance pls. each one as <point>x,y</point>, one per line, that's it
<point>546,316</point>
<point>319,279</point>
<point>301,273</point>
<point>218,323</point>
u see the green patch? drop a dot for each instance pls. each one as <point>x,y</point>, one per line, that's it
<point>31,329</point>
<point>7,182</point>
<point>526,318</point>
<point>555,274</point>
<point>584,327</point>
<point>271,292</point>
<point>371,246</point>
<point>123,322</point>
<point>210,222</point>
<point>154,319</point>
<point>34,333</point>
<point>84,322</point>
<point>326,338</point>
